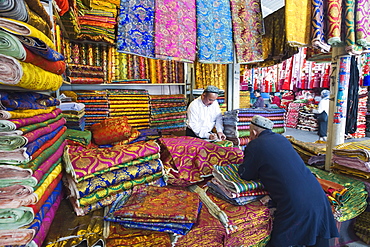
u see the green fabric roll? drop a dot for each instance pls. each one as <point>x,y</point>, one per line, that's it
<point>9,143</point>
<point>28,128</point>
<point>6,125</point>
<point>11,46</point>
<point>83,137</point>
<point>5,182</point>
<point>13,218</point>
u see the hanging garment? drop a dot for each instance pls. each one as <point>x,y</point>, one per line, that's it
<point>352,98</point>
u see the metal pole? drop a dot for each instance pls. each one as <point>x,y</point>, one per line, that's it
<point>339,82</point>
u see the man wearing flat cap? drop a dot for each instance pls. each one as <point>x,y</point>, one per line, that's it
<point>303,215</point>
<point>204,114</point>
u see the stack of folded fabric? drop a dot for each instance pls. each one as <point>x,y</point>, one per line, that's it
<point>286,99</point>
<point>228,185</point>
<point>78,137</point>
<point>291,116</point>
<point>168,112</point>
<point>352,158</point>
<point>362,227</point>
<point>361,114</point>
<point>245,99</point>
<point>32,140</point>
<point>85,74</point>
<point>312,153</point>
<point>133,104</point>
<point>96,176</point>
<point>96,106</point>
<point>74,114</point>
<point>354,201</point>
<point>307,121</point>
<point>188,160</point>
<point>221,99</point>
<point>236,122</point>
<point>29,57</point>
<point>164,209</point>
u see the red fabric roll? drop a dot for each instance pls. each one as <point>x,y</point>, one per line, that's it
<point>54,67</point>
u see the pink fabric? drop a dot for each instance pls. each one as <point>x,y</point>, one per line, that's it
<point>33,135</point>
<point>36,119</point>
<point>175,29</point>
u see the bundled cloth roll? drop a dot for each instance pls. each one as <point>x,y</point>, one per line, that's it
<point>25,75</point>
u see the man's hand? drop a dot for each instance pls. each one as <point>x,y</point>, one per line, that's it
<point>212,136</point>
<point>221,136</point>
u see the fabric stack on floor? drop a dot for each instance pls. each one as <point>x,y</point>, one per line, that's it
<point>312,153</point>
<point>164,209</point>
<point>361,114</point>
<point>286,99</point>
<point>228,186</point>
<point>353,204</point>
<point>352,158</point>
<point>74,114</point>
<point>133,104</point>
<point>307,121</point>
<point>236,122</point>
<point>96,106</point>
<point>32,140</point>
<point>96,176</point>
<point>168,112</point>
<point>292,114</point>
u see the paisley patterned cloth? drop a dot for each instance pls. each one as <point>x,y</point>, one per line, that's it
<point>318,23</point>
<point>247,30</point>
<point>214,31</point>
<point>26,100</point>
<point>82,161</point>
<point>188,160</point>
<point>175,29</point>
<point>136,27</point>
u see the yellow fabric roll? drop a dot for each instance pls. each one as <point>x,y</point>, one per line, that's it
<point>297,19</point>
<point>24,113</point>
<point>22,28</point>
<point>26,75</point>
<point>50,178</point>
<point>152,71</point>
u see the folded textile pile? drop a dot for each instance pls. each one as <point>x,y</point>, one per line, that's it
<point>84,73</point>
<point>236,123</point>
<point>189,160</point>
<point>228,185</point>
<point>352,158</point>
<point>291,116</point>
<point>307,121</point>
<point>168,112</point>
<point>74,114</point>
<point>164,209</point>
<point>353,203</point>
<point>362,227</point>
<point>96,106</point>
<point>286,98</point>
<point>78,137</point>
<point>32,139</point>
<point>85,230</point>
<point>133,104</point>
<point>28,57</point>
<point>96,176</point>
<point>310,152</point>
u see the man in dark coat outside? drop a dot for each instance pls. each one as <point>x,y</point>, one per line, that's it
<point>303,215</point>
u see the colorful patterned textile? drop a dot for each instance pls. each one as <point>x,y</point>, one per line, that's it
<point>362,227</point>
<point>36,147</point>
<point>39,9</point>
<point>79,229</point>
<point>356,202</point>
<point>81,137</point>
<point>14,157</point>
<point>175,29</point>
<point>35,126</point>
<point>13,124</point>
<point>88,186</point>
<point>11,46</point>
<point>136,27</point>
<point>54,175</point>
<point>229,177</point>
<point>34,134</point>
<point>298,18</point>
<point>118,235</point>
<point>13,218</point>
<point>21,28</point>
<point>81,161</point>
<point>11,175</point>
<point>56,67</point>
<point>362,17</point>
<point>334,21</point>
<point>253,222</point>
<point>17,195</point>
<point>358,150</point>
<point>239,201</point>
<point>111,130</point>
<point>247,30</point>
<point>26,100</point>
<point>317,26</point>
<point>214,32</point>
<point>26,75</point>
<point>16,237</point>
<point>9,143</point>
<point>221,188</point>
<point>142,209</point>
<point>188,160</point>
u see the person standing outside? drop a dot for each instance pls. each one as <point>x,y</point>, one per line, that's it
<point>303,215</point>
<point>322,115</point>
<point>203,114</point>
<point>260,101</point>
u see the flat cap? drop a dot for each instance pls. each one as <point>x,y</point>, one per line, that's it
<point>262,122</point>
<point>211,89</point>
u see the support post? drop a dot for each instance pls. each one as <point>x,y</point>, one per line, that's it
<point>233,86</point>
<point>339,82</point>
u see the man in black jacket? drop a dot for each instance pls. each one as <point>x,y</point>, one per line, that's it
<point>303,215</point>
